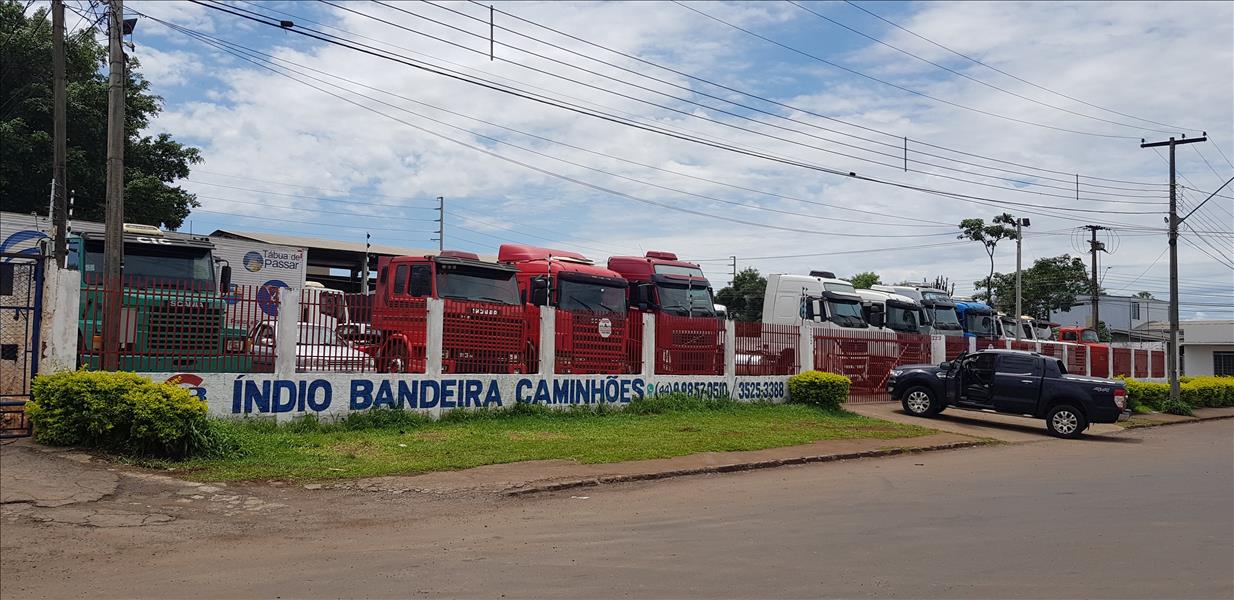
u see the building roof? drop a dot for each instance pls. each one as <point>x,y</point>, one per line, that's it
<point>310,243</point>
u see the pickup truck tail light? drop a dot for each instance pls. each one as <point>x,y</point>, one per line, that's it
<point>1120,398</point>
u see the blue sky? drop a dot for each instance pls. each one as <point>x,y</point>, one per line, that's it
<point>295,160</point>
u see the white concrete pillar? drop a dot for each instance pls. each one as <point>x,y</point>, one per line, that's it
<point>1007,343</point>
<point>972,344</point>
<point>287,332</point>
<point>58,329</point>
<point>938,348</point>
<point>649,345</point>
<point>1088,361</point>
<point>1132,373</point>
<point>548,341</point>
<point>805,348</point>
<point>1109,358</point>
<point>1066,354</point>
<point>730,353</point>
<point>433,336</point>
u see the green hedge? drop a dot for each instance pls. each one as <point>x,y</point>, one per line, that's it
<point>820,388</point>
<point>122,413</point>
<point>1194,392</point>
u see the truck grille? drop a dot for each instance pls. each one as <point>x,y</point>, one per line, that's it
<point>183,329</point>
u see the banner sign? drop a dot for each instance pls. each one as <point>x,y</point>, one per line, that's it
<point>229,394</point>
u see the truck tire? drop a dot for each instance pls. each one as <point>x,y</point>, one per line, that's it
<point>1066,421</point>
<point>920,401</point>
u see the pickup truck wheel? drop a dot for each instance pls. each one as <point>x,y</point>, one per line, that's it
<point>920,402</point>
<point>1065,421</point>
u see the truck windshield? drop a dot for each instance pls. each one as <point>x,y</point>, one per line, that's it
<point>839,287</point>
<point>934,295</point>
<point>1029,330</point>
<point>150,265</point>
<point>686,301</point>
<point>980,324</point>
<point>902,319</point>
<point>465,282</point>
<point>1089,336</point>
<point>591,296</point>
<point>846,314</point>
<point>944,317</point>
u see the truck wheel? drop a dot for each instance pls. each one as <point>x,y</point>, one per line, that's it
<point>920,402</point>
<point>1065,421</point>
<point>393,359</point>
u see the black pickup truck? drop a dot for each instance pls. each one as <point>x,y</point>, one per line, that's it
<point>1014,382</point>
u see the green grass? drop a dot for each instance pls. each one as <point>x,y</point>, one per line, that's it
<point>391,442</point>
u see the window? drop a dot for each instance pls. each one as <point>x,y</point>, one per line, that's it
<point>1021,366</point>
<point>1135,311</point>
<point>421,281</point>
<point>1223,363</point>
<point>1069,336</point>
<point>400,280</point>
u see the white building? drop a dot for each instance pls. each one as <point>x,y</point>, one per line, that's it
<point>1127,317</point>
<point>1207,347</point>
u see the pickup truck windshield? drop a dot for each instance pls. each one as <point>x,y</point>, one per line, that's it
<point>149,265</point>
<point>593,297</point>
<point>902,319</point>
<point>464,282</point>
<point>846,314</point>
<point>686,301</point>
<point>944,317</point>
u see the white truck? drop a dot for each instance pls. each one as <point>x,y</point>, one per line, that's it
<point>900,314</point>
<point>940,309</point>
<point>819,299</point>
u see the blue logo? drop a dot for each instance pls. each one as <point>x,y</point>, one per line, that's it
<point>268,296</point>
<point>253,261</point>
<point>21,238</point>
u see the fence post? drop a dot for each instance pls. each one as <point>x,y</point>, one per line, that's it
<point>805,348</point>
<point>938,348</point>
<point>649,346</point>
<point>972,344</point>
<point>1132,373</point>
<point>61,296</point>
<point>548,341</point>
<point>434,331</point>
<point>287,333</point>
<point>1067,355</point>
<point>1109,358</point>
<point>1088,361</point>
<point>730,354</point>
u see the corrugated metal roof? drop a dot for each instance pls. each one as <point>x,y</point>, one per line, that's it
<point>320,244</point>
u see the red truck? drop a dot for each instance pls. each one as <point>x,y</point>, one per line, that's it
<point>673,289</point>
<point>487,328</point>
<point>1087,336</point>
<point>594,329</point>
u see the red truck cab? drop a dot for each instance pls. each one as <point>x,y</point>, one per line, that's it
<point>1097,349</point>
<point>593,327</point>
<point>486,325</point>
<point>660,283</point>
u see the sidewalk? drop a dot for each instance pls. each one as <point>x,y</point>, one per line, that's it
<point>1199,414</point>
<point>514,479</point>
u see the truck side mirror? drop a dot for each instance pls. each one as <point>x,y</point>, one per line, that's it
<point>225,279</point>
<point>814,309</point>
<point>643,296</point>
<point>539,291</point>
<point>877,317</point>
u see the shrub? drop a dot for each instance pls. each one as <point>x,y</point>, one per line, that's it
<point>1208,391</point>
<point>1144,393</point>
<point>1194,392</point>
<point>122,413</point>
<point>826,390</point>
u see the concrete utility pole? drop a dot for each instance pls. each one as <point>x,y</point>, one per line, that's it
<point>1093,247</point>
<point>441,224</point>
<point>368,238</point>
<point>733,283</point>
<point>1020,224</point>
<point>59,183</point>
<point>1174,221</point>
<point>113,259</point>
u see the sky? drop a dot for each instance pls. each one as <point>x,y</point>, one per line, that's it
<point>724,129</point>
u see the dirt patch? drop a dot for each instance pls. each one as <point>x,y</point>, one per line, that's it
<point>536,435</point>
<point>360,449</point>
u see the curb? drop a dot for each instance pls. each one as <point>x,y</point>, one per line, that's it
<point>731,468</point>
<point>1166,423</point>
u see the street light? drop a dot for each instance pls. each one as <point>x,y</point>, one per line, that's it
<point>1020,223</point>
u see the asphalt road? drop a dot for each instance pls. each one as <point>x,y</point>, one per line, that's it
<point>1145,514</point>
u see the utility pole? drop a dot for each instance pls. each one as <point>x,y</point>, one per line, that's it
<point>364,271</point>
<point>1093,247</point>
<point>734,281</point>
<point>441,224</point>
<point>1020,224</point>
<point>113,259</point>
<point>59,184</point>
<point>1174,221</point>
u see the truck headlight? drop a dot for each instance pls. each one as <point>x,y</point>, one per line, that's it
<point>896,373</point>
<point>233,345</point>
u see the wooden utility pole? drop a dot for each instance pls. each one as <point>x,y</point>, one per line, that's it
<point>113,249</point>
<point>59,192</point>
<point>1172,357</point>
<point>1093,247</point>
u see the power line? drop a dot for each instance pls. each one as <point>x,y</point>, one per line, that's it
<point>838,253</point>
<point>900,87</point>
<point>269,193</point>
<point>970,77</point>
<point>333,225</point>
<point>998,70</point>
<point>410,62</point>
<point>896,137</point>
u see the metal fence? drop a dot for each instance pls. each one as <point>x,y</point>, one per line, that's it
<point>955,344</point>
<point>865,357</point>
<point>479,337</point>
<point>766,348</point>
<point>327,339</point>
<point>401,328</point>
<point>689,345</point>
<point>177,325</point>
<point>604,343</point>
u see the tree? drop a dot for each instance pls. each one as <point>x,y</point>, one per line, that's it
<point>1002,228</point>
<point>1049,284</point>
<point>863,281</point>
<point>744,299</point>
<point>151,163</point>
<point>1103,332</point>
<point>1145,295</point>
